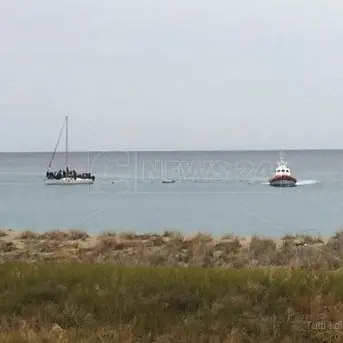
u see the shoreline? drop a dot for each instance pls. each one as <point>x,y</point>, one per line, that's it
<point>171,248</point>
<point>175,150</point>
<point>16,232</point>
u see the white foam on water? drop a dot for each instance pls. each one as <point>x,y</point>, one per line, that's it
<point>306,182</point>
<point>299,183</point>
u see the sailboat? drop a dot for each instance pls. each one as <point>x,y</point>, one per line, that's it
<point>66,176</point>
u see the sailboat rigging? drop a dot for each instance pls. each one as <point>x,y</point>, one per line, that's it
<point>66,176</point>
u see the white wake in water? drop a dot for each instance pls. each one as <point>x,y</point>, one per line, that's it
<point>300,182</point>
<point>306,182</point>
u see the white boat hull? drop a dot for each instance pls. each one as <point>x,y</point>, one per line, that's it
<point>69,181</point>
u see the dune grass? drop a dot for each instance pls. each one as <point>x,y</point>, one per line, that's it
<point>173,249</point>
<point>88,302</point>
<point>69,286</point>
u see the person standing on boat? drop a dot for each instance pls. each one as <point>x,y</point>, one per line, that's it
<point>59,175</point>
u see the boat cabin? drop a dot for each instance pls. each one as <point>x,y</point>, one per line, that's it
<point>282,169</point>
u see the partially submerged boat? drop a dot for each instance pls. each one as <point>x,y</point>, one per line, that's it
<point>66,176</point>
<point>282,176</point>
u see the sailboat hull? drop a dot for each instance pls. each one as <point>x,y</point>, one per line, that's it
<point>69,181</point>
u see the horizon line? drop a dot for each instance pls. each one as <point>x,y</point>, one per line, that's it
<point>168,150</point>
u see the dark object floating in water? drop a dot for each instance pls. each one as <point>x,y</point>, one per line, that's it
<point>167,181</point>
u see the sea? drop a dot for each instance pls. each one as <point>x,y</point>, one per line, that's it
<point>217,192</point>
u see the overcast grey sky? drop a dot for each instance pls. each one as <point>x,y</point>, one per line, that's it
<point>171,74</point>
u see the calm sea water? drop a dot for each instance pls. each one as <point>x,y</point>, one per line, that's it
<point>217,192</point>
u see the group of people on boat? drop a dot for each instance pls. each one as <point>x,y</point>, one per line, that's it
<point>57,175</point>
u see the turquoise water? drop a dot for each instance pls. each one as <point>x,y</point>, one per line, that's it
<point>217,192</point>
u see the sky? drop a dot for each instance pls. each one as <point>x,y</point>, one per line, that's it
<point>171,74</point>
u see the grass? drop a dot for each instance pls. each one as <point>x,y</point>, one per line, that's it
<point>62,286</point>
<point>87,302</point>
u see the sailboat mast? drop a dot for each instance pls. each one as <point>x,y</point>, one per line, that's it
<point>66,156</point>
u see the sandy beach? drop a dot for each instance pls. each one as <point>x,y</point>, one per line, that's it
<point>172,249</point>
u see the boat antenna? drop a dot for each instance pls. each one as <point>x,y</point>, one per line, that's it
<point>66,157</point>
<point>58,141</point>
<point>282,160</point>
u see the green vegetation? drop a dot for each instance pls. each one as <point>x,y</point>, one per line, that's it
<point>88,302</point>
<point>124,287</point>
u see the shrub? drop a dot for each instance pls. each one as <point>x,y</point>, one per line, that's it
<point>83,302</point>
